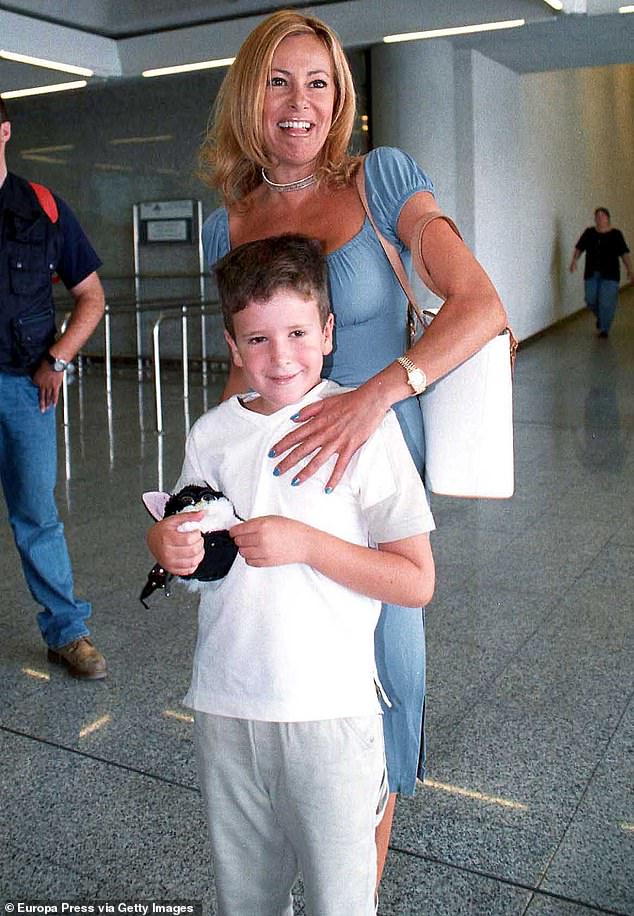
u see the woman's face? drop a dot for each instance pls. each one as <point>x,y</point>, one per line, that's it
<point>298,104</point>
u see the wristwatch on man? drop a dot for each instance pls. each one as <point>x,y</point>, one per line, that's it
<point>57,363</point>
<point>416,378</point>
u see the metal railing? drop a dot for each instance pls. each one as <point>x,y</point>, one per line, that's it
<point>165,310</point>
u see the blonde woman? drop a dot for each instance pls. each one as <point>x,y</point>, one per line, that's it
<point>276,149</point>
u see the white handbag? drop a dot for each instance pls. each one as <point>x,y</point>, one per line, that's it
<point>468,422</point>
<point>468,413</point>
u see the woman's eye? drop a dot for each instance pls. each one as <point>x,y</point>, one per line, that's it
<point>319,84</point>
<point>276,81</point>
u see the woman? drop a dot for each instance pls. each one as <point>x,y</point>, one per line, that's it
<point>277,150</point>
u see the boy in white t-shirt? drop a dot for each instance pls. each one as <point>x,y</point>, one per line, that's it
<point>287,720</point>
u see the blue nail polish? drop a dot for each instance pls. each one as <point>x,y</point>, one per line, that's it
<point>328,490</point>
<point>272,453</point>
<point>295,482</point>
<point>295,416</point>
<point>276,472</point>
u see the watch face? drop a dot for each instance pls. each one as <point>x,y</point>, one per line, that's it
<point>417,379</point>
<point>58,365</point>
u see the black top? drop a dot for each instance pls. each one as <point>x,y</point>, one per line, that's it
<point>32,250</point>
<point>603,250</point>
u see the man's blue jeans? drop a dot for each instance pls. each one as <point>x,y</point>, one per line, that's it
<point>602,297</point>
<point>28,471</point>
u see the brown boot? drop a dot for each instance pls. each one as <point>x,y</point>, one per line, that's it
<point>82,659</point>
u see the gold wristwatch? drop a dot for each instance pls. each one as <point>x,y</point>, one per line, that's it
<point>416,378</point>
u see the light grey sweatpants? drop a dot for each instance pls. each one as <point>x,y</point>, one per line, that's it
<point>289,797</point>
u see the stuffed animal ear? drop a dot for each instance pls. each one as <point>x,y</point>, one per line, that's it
<point>155,502</point>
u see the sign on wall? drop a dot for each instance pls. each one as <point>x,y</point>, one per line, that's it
<point>166,221</point>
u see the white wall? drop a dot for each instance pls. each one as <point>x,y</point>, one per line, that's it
<point>549,148</point>
<point>520,160</point>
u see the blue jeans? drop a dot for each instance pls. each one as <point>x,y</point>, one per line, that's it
<point>602,297</point>
<point>28,471</point>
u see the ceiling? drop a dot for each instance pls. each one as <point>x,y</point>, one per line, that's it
<point>118,39</point>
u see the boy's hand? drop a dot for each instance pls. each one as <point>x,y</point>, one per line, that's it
<point>272,540</point>
<point>179,552</point>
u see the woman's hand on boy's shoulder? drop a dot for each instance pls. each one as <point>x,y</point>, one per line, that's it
<point>272,540</point>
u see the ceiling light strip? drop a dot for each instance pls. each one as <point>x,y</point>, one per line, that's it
<point>40,157</point>
<point>42,90</point>
<point>187,68</point>
<point>61,148</point>
<point>629,8</point>
<point>555,4</point>
<point>158,138</point>
<point>457,30</point>
<point>49,64</point>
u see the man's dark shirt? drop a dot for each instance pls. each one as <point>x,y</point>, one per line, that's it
<point>74,261</point>
<point>603,250</point>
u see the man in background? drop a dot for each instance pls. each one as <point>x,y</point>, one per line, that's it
<point>39,237</point>
<point>603,245</point>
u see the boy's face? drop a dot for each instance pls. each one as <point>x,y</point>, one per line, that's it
<point>280,345</point>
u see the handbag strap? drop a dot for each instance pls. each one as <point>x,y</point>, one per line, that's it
<point>390,250</point>
<point>393,256</point>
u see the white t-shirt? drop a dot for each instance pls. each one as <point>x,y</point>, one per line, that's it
<point>285,643</point>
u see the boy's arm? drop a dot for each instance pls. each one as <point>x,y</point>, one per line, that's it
<point>399,572</point>
<point>179,552</point>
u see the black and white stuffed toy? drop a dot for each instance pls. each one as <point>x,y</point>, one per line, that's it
<point>220,548</point>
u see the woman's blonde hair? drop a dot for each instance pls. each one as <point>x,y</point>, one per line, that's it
<point>233,151</point>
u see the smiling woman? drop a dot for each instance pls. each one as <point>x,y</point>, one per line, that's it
<point>298,107</point>
<point>277,149</point>
<point>235,150</point>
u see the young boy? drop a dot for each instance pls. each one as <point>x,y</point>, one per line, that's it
<point>287,726</point>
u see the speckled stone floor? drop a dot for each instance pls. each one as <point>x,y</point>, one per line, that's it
<point>528,806</point>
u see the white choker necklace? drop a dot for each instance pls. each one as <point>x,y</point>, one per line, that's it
<point>298,185</point>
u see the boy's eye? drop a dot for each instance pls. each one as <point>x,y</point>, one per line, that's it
<point>298,332</point>
<point>256,340</point>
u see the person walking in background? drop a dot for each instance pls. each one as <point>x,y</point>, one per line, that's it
<point>603,245</point>
<point>38,239</point>
<point>277,150</point>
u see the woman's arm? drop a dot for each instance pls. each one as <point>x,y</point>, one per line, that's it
<point>471,316</point>
<point>401,572</point>
<point>628,266</point>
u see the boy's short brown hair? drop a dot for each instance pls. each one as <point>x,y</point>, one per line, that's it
<point>255,271</point>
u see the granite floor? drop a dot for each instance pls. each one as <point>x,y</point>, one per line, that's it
<point>528,807</point>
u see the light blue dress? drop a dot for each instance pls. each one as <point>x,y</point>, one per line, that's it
<point>370,332</point>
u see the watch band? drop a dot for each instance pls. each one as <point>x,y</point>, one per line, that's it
<point>416,378</point>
